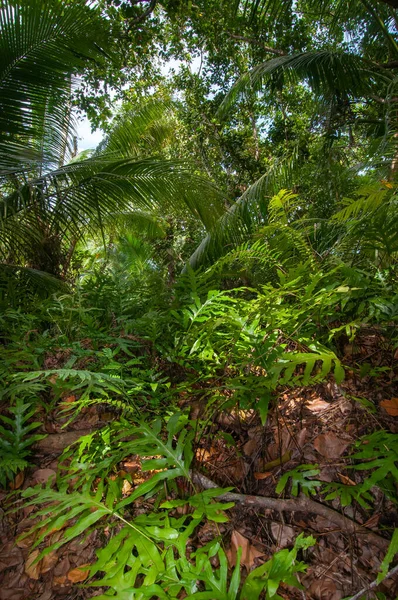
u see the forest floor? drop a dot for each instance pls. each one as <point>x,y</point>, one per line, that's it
<point>313,426</point>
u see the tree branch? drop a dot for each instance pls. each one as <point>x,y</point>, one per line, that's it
<point>393,64</point>
<point>142,16</point>
<point>374,584</point>
<point>302,504</point>
<point>257,43</point>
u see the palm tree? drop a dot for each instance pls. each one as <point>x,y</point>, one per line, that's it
<point>48,202</point>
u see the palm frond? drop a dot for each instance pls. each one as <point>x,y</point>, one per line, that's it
<point>41,47</point>
<point>142,131</point>
<point>329,74</point>
<point>80,197</point>
<point>247,215</point>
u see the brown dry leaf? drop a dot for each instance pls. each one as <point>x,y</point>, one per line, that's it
<point>60,580</point>
<point>62,568</point>
<point>249,552</point>
<point>48,562</point>
<point>27,541</point>
<point>329,445</point>
<point>127,487</point>
<point>33,570</point>
<point>390,406</point>
<point>346,480</point>
<point>317,405</point>
<point>10,556</point>
<point>262,475</point>
<point>283,534</point>
<point>56,536</point>
<point>43,475</point>
<point>282,439</point>
<point>79,573</point>
<point>69,399</point>
<point>18,481</point>
<point>12,594</point>
<point>324,589</point>
<point>251,447</point>
<point>302,437</point>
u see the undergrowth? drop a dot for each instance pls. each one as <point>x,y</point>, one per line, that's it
<point>218,342</point>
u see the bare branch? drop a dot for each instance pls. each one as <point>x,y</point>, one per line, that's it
<point>302,504</point>
<point>374,584</point>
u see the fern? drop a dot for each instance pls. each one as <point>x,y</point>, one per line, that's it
<point>283,371</point>
<point>346,494</point>
<point>203,505</point>
<point>282,568</point>
<point>16,438</point>
<point>10,465</point>
<point>378,453</point>
<point>370,198</point>
<point>144,548</point>
<point>302,480</point>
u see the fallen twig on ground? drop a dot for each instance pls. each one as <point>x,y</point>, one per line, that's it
<point>296,504</point>
<point>374,584</point>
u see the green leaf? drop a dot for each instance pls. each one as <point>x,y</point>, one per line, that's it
<point>389,557</point>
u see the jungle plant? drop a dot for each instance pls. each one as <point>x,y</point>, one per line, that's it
<point>16,438</point>
<point>150,548</point>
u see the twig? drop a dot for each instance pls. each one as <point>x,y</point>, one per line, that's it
<point>374,584</point>
<point>296,504</point>
<point>142,16</point>
<point>250,40</point>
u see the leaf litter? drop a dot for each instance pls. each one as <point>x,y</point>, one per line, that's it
<point>316,426</point>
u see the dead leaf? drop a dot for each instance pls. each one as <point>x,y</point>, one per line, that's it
<point>283,534</point>
<point>390,406</point>
<point>249,552</point>
<point>48,562</point>
<point>262,475</point>
<point>61,580</point>
<point>18,481</point>
<point>127,487</point>
<point>12,594</point>
<point>302,437</point>
<point>324,589</point>
<point>346,480</point>
<point>330,446</point>
<point>10,556</point>
<point>79,573</point>
<point>27,541</point>
<point>43,475</point>
<point>282,439</point>
<point>69,399</point>
<point>318,405</point>
<point>62,568</point>
<point>251,447</point>
<point>345,406</point>
<point>32,568</point>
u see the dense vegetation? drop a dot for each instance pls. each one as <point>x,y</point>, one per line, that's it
<point>198,318</point>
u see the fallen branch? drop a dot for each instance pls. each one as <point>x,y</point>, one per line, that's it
<point>55,443</point>
<point>374,584</point>
<point>297,504</point>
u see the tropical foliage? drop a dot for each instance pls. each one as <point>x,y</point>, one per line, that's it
<point>221,265</point>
